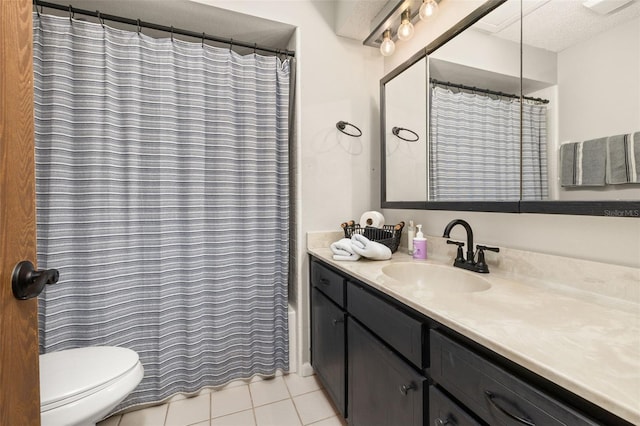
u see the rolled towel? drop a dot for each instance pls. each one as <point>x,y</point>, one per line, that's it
<point>370,249</point>
<point>343,250</point>
<point>623,159</point>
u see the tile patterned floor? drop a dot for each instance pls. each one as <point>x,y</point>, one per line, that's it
<point>286,400</point>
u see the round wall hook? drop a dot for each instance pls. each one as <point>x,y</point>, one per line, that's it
<point>342,125</point>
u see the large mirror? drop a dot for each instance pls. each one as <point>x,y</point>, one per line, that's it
<point>539,114</point>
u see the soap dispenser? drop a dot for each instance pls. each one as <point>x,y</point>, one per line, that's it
<point>419,245</point>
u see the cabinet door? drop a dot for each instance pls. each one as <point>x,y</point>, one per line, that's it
<point>443,411</point>
<point>328,346</point>
<point>383,389</point>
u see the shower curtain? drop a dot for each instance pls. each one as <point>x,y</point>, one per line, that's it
<point>163,199</point>
<point>474,148</point>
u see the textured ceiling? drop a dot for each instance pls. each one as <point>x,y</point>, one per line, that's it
<point>354,18</point>
<point>555,25</point>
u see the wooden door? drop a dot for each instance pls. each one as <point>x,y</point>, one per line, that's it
<point>19,379</point>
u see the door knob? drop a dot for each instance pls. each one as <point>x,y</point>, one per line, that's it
<point>27,283</point>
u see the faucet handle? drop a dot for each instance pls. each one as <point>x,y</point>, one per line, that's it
<point>459,255</point>
<point>482,248</point>
<point>481,266</point>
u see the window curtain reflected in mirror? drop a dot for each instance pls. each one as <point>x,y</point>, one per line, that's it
<point>162,175</point>
<point>474,149</point>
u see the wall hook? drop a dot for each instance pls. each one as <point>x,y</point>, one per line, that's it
<point>396,131</point>
<point>342,125</point>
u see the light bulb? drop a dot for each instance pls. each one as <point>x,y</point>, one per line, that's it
<point>387,46</point>
<point>405,31</point>
<point>428,9</point>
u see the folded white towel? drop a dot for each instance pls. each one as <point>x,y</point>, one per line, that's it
<point>343,250</point>
<point>370,249</point>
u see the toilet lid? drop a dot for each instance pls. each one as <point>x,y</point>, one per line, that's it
<point>71,374</point>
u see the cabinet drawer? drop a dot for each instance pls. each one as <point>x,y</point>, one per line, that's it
<point>401,331</point>
<point>327,281</point>
<point>384,390</point>
<point>495,395</point>
<point>443,411</point>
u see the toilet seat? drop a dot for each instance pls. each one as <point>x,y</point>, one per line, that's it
<point>69,378</point>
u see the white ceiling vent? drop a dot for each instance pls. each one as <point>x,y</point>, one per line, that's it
<point>604,7</point>
<point>507,14</point>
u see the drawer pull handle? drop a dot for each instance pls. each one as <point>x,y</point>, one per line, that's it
<point>523,420</point>
<point>336,321</point>
<point>404,389</point>
<point>325,281</point>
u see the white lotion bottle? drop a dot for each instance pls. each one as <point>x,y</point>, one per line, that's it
<point>419,245</point>
<point>411,233</point>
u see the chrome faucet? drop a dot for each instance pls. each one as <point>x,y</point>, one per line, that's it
<point>469,263</point>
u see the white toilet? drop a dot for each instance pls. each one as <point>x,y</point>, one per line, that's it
<point>78,387</point>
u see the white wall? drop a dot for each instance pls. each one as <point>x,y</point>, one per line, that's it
<point>605,239</point>
<point>338,80</point>
<point>598,91</point>
<point>406,107</point>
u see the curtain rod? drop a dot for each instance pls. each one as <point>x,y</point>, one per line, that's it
<point>142,24</point>
<point>490,92</point>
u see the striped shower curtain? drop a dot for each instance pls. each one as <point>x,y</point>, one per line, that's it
<point>163,200</point>
<point>474,149</point>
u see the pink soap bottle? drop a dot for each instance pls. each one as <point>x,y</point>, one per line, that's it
<point>419,245</point>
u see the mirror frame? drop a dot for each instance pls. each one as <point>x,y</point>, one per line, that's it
<point>587,208</point>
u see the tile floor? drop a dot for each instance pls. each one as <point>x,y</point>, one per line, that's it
<point>286,400</point>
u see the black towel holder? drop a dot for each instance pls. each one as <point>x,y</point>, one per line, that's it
<point>396,131</point>
<point>341,125</point>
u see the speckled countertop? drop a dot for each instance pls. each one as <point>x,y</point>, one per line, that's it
<point>583,341</point>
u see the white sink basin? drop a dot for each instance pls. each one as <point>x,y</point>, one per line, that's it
<point>436,278</point>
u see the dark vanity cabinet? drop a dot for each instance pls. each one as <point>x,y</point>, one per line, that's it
<point>493,394</point>
<point>328,332</point>
<point>385,364</point>
<point>385,383</point>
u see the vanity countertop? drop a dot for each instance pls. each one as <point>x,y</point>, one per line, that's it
<point>589,345</point>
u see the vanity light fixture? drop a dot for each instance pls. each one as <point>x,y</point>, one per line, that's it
<point>387,46</point>
<point>428,9</point>
<point>405,31</point>
<point>396,22</point>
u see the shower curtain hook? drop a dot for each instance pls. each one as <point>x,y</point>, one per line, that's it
<point>230,45</point>
<point>203,36</point>
<point>100,18</point>
<point>255,46</point>
<point>35,6</point>
<point>139,27</point>
<point>172,34</point>
<point>71,14</point>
